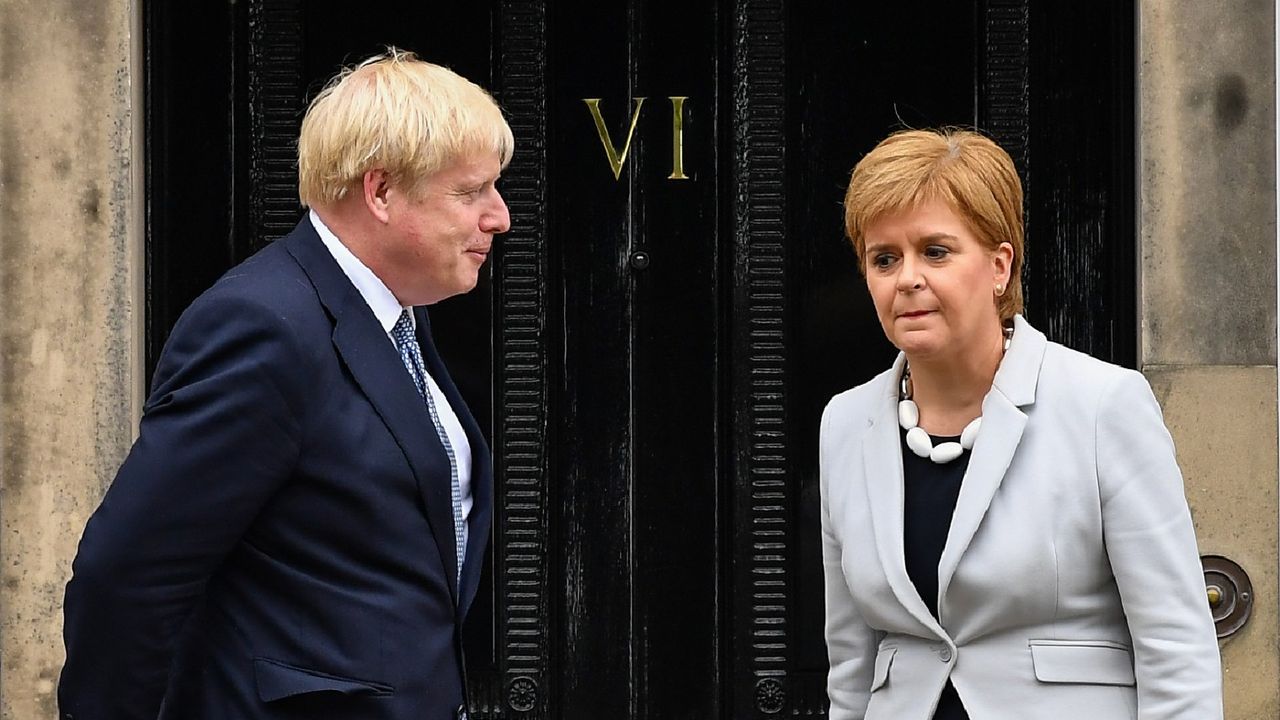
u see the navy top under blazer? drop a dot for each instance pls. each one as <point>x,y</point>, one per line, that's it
<point>279,542</point>
<point>929,494</point>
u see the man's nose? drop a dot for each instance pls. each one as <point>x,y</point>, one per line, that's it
<point>498,219</point>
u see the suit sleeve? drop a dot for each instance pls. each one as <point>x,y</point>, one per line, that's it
<point>1151,544</point>
<point>219,434</point>
<point>851,643</point>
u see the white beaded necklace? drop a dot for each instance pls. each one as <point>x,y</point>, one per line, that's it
<point>918,440</point>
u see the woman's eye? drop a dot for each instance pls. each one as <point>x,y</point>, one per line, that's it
<point>936,252</point>
<point>883,260</point>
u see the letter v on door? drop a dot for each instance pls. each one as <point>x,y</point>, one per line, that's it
<point>616,159</point>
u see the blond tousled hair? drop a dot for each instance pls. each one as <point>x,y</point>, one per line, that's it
<point>398,113</point>
<point>962,168</point>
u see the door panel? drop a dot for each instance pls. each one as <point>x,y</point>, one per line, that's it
<point>638,282</point>
<point>588,238</point>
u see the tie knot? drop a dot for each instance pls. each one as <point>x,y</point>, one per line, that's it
<point>402,331</point>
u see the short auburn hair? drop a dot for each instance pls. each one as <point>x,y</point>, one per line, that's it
<point>393,111</point>
<point>965,169</point>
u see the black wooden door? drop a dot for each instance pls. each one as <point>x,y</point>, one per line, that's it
<point>658,333</point>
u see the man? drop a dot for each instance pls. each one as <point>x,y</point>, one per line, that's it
<point>298,531</point>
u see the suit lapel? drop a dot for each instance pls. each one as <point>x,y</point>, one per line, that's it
<point>1002,424</point>
<point>377,368</point>
<point>481,479</point>
<point>882,461</point>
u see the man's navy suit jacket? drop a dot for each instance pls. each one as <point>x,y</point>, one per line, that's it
<point>279,542</point>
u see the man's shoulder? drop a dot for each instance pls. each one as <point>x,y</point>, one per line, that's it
<point>267,295</point>
<point>270,279</point>
<point>265,308</point>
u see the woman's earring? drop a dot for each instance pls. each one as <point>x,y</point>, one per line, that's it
<point>999,290</point>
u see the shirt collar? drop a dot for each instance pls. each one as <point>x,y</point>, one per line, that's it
<point>381,301</point>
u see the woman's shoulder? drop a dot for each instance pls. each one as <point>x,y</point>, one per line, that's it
<point>1073,381</point>
<point>1082,370</point>
<point>1038,360</point>
<point>859,400</point>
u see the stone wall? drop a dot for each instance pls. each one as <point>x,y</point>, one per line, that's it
<point>1206,105</point>
<point>70,287</point>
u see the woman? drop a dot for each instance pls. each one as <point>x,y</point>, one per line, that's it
<point>1005,533</point>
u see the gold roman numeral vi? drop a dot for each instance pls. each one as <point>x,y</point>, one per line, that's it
<point>617,158</point>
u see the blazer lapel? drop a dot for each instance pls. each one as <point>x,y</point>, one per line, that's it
<point>1002,424</point>
<point>377,368</point>
<point>481,479</point>
<point>882,461</point>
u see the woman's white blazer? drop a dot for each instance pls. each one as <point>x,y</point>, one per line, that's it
<point>1070,586</point>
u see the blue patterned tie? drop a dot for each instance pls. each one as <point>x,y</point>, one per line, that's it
<point>411,354</point>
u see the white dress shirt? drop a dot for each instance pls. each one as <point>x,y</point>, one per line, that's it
<point>387,309</point>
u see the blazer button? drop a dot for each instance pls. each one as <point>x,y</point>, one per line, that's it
<point>944,654</point>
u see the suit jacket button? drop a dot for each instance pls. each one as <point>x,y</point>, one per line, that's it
<point>944,654</point>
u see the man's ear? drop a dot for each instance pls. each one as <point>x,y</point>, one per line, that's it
<point>376,188</point>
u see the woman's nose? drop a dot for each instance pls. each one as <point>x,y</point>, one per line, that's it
<point>909,276</point>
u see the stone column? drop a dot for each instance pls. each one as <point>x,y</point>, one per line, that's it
<point>71,279</point>
<point>1206,136</point>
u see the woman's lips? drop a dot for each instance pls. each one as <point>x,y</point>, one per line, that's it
<point>915,314</point>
